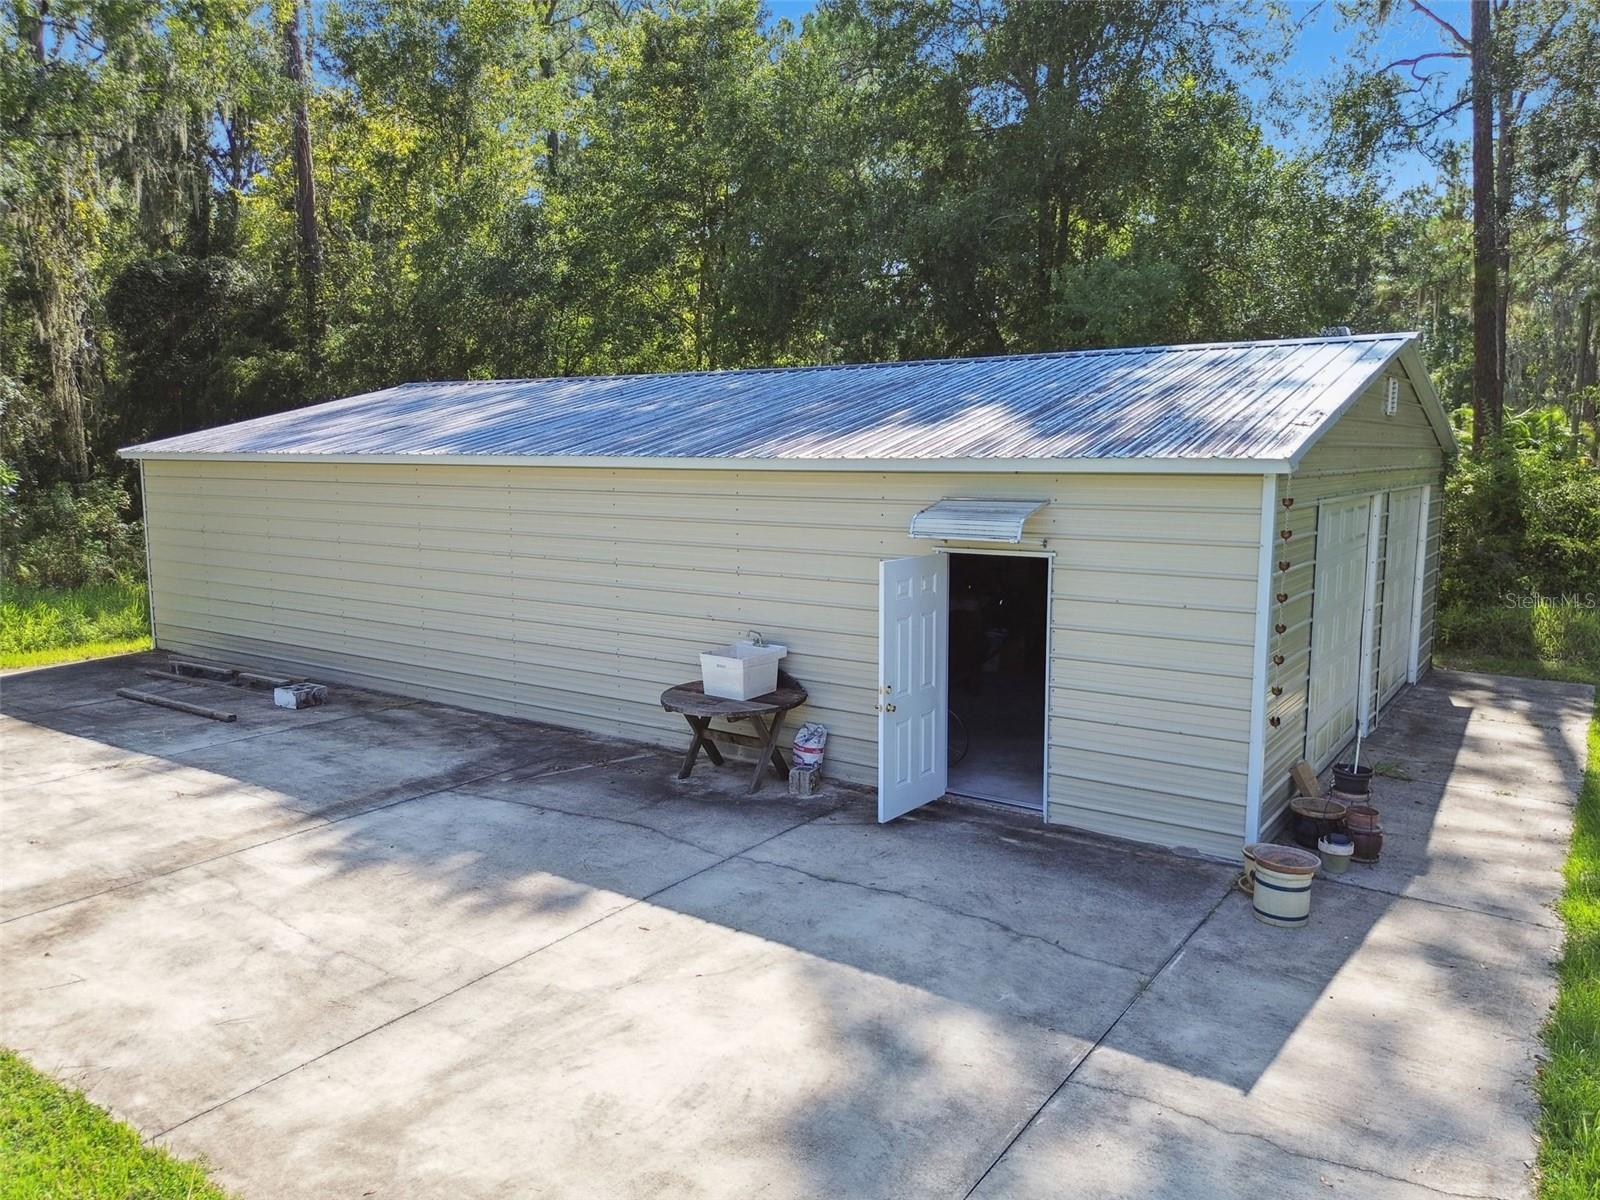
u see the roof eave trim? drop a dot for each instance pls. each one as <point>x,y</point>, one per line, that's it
<point>1432,405</point>
<point>1041,466</point>
<point>1411,362</point>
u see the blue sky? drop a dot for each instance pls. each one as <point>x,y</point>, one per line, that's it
<point>1323,44</point>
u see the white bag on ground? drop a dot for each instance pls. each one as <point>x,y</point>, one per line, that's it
<point>809,740</point>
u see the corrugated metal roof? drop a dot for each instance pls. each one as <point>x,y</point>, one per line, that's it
<point>1233,401</point>
<point>975,520</point>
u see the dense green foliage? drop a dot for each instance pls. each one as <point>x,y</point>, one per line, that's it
<point>68,537</point>
<point>529,187</point>
<point>532,187</point>
<point>55,1144</point>
<point>1522,524</point>
<point>1521,550</point>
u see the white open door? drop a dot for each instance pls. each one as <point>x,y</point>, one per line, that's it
<point>913,682</point>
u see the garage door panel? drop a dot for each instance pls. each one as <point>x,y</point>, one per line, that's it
<point>1396,629</point>
<point>1338,612</point>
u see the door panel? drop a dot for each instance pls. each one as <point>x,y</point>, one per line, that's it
<point>913,682</point>
<point>1338,613</point>
<point>1395,630</point>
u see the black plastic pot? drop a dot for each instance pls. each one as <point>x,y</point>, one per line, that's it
<point>1352,781</point>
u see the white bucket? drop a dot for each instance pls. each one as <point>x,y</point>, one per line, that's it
<point>1335,855</point>
<point>1282,894</point>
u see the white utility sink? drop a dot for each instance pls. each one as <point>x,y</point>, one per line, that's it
<point>741,671</point>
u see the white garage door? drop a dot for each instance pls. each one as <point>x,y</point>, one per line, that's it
<point>1399,591</point>
<point>1338,609</point>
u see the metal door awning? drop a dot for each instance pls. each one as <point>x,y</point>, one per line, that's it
<point>975,520</point>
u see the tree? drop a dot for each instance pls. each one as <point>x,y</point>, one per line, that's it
<point>1516,56</point>
<point>305,185</point>
<point>203,227</point>
<point>1488,396</point>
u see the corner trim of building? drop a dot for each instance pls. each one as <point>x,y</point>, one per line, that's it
<point>1261,646</point>
<point>149,575</point>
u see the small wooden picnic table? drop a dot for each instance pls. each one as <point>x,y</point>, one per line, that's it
<point>700,710</point>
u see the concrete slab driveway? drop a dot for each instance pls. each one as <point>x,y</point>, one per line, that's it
<point>385,948</point>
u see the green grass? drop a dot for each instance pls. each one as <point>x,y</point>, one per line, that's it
<point>55,1145</point>
<point>1569,1081</point>
<point>1548,640</point>
<point>41,626</point>
<point>1562,646</point>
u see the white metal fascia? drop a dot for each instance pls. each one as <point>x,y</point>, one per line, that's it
<point>1417,372</point>
<point>1003,466</point>
<point>1256,768</point>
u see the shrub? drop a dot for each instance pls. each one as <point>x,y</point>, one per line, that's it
<point>68,537</point>
<point>1521,521</point>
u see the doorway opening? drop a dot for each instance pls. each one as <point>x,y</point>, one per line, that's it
<point>999,643</point>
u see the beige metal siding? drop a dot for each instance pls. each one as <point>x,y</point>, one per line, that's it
<point>1365,452</point>
<point>575,595</point>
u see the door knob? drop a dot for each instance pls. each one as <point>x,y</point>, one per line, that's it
<point>888,708</point>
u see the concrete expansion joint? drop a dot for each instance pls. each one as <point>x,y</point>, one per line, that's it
<point>952,911</point>
<point>1144,986</point>
<point>126,764</point>
<point>309,825</point>
<point>241,896</point>
<point>1553,925</point>
<point>477,979</point>
<point>1281,1147</point>
<point>142,757</point>
<point>583,816</point>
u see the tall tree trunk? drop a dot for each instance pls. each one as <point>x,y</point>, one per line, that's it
<point>60,299</point>
<point>31,25</point>
<point>547,72</point>
<point>1583,402</point>
<point>199,182</point>
<point>1487,409</point>
<point>552,137</point>
<point>1586,363</point>
<point>1504,177</point>
<point>62,324</point>
<point>305,189</point>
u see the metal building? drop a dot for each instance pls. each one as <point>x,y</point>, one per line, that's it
<point>1128,588</point>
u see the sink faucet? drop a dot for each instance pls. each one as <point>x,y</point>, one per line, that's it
<point>755,637</point>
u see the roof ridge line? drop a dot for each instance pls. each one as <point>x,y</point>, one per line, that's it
<point>1031,356</point>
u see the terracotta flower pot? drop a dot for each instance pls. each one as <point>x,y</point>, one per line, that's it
<point>1366,831</point>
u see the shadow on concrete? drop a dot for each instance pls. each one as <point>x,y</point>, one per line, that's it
<point>1479,822</point>
<point>775,986</point>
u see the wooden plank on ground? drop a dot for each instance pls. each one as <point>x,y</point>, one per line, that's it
<point>181,666</point>
<point>198,710</point>
<point>203,680</point>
